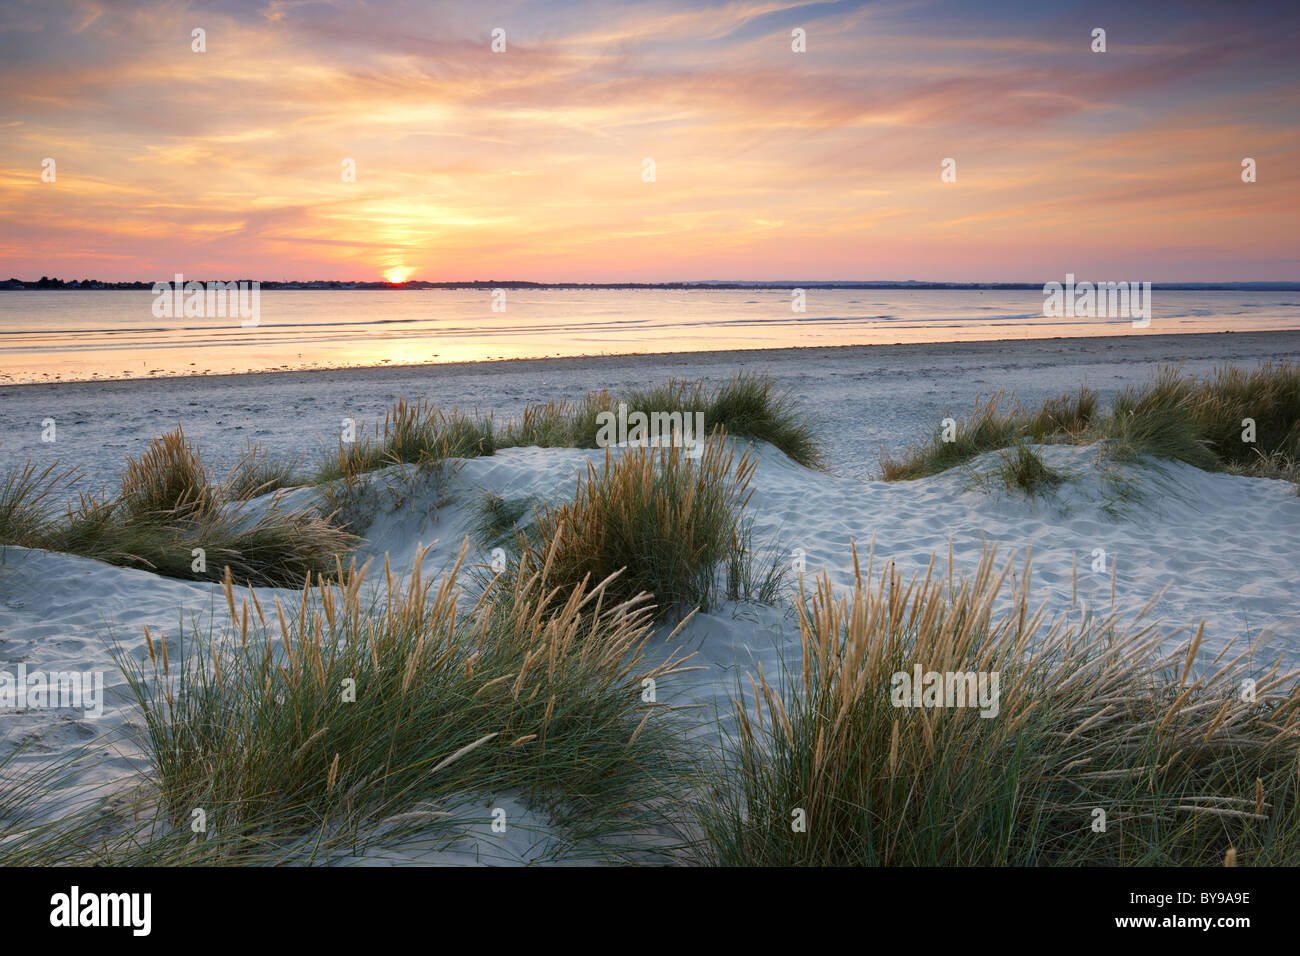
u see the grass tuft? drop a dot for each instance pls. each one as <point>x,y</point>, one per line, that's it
<point>1070,414</point>
<point>412,433</point>
<point>24,503</point>
<point>747,406</point>
<point>667,522</point>
<point>169,518</point>
<point>352,711</point>
<point>168,478</point>
<point>1245,421</point>
<point>1023,469</point>
<point>994,422</point>
<point>1090,717</point>
<point>501,520</point>
<point>259,473</point>
<point>751,406</point>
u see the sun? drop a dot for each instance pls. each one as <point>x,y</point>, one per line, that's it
<point>397,274</point>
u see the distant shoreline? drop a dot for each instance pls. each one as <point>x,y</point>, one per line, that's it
<point>1150,341</point>
<point>321,285</point>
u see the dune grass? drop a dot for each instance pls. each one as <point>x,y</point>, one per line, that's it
<point>272,548</point>
<point>560,423</point>
<point>995,421</point>
<point>751,406</point>
<point>412,433</point>
<point>1069,414</point>
<point>672,525</point>
<point>168,477</point>
<point>1022,469</point>
<point>1174,417</point>
<point>1159,432</point>
<point>323,725</point>
<point>1277,465</point>
<point>1104,748</point>
<point>258,472</point>
<point>27,836</point>
<point>1203,421</point>
<point>501,520</point>
<point>170,518</point>
<point>746,406</point>
<point>112,824</point>
<point>353,712</point>
<point>24,502</point>
<point>169,509</point>
<point>349,502</point>
<point>1091,717</point>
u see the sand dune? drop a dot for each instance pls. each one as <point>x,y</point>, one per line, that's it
<point>1221,548</point>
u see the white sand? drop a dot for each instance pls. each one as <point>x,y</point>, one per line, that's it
<point>1224,547</point>
<point>862,399</point>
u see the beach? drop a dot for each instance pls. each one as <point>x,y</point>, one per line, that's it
<point>862,399</point>
<point>747,436</point>
<point>1200,546</point>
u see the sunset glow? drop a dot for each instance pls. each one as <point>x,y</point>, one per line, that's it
<point>528,163</point>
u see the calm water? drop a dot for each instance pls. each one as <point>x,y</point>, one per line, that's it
<point>47,336</point>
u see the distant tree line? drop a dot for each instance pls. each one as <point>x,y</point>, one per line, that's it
<point>48,282</point>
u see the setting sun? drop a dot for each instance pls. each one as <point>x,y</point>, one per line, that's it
<point>397,274</point>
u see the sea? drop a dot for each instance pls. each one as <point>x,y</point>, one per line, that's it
<point>78,335</point>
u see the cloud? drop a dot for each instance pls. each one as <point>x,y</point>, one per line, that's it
<point>469,160</point>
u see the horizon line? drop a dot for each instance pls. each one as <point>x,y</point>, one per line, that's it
<point>53,283</point>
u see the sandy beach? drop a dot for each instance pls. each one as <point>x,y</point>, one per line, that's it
<point>862,400</point>
<point>643,438</point>
<point>1205,546</point>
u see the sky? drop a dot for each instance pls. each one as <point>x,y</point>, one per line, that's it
<point>534,163</point>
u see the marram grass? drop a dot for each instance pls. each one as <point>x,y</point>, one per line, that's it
<point>995,421</point>
<point>412,433</point>
<point>1106,746</point>
<point>1244,421</point>
<point>745,406</point>
<point>1022,469</point>
<point>168,477</point>
<point>24,496</point>
<point>258,472</point>
<point>664,523</point>
<point>167,508</point>
<point>1094,718</point>
<point>349,712</point>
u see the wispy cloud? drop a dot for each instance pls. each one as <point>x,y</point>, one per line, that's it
<point>528,163</point>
